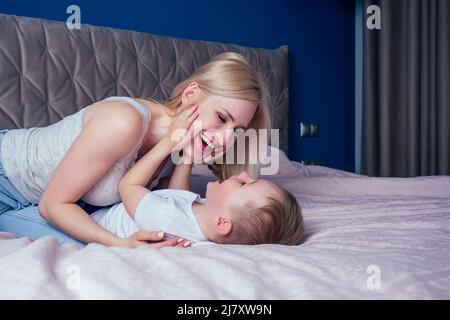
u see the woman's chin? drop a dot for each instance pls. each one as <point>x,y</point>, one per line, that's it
<point>201,155</point>
<point>209,156</point>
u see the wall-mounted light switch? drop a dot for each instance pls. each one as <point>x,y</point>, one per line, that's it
<point>309,129</point>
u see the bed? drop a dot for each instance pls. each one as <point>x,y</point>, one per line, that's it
<point>365,237</point>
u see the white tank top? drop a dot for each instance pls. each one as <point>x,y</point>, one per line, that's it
<point>30,156</point>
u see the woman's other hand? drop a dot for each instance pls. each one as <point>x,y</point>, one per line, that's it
<point>152,239</point>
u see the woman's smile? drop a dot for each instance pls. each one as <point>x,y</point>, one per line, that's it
<point>207,146</point>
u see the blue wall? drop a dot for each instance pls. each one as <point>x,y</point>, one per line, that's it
<point>319,33</point>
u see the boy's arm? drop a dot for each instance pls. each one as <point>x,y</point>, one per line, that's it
<point>180,177</point>
<point>132,185</point>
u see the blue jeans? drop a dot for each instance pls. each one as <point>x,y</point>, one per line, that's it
<point>21,217</point>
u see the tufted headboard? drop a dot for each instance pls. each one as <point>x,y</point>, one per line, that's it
<point>48,71</point>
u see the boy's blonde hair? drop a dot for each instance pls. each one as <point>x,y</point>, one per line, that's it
<point>230,75</point>
<point>278,222</point>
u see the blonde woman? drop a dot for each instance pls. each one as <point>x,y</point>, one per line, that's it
<point>47,174</point>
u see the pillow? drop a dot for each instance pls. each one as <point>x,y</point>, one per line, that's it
<point>274,163</point>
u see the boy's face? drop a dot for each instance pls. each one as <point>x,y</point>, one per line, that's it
<point>237,191</point>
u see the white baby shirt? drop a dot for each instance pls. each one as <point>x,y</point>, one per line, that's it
<point>169,210</point>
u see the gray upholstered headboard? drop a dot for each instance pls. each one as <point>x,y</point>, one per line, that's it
<point>48,71</point>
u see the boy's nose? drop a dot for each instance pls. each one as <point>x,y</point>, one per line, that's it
<point>245,176</point>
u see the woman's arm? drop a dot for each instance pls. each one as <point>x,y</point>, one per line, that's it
<point>132,186</point>
<point>110,133</point>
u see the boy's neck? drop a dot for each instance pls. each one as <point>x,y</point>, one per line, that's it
<point>199,213</point>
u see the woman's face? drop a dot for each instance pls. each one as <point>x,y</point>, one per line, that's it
<point>218,118</point>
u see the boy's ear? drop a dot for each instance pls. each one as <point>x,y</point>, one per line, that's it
<point>223,225</point>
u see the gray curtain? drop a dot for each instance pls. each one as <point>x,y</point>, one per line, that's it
<point>406,89</point>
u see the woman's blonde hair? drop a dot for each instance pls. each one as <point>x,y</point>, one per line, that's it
<point>230,75</point>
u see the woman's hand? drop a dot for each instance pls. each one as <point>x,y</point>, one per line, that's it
<point>152,239</point>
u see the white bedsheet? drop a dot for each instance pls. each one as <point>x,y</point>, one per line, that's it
<point>366,238</point>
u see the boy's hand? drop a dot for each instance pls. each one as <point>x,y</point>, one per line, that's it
<point>180,131</point>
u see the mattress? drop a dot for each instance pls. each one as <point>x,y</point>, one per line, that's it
<point>365,238</point>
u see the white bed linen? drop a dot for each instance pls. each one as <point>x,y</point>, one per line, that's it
<point>366,238</point>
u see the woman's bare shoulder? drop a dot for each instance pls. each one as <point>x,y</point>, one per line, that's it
<point>113,112</point>
<point>116,121</point>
